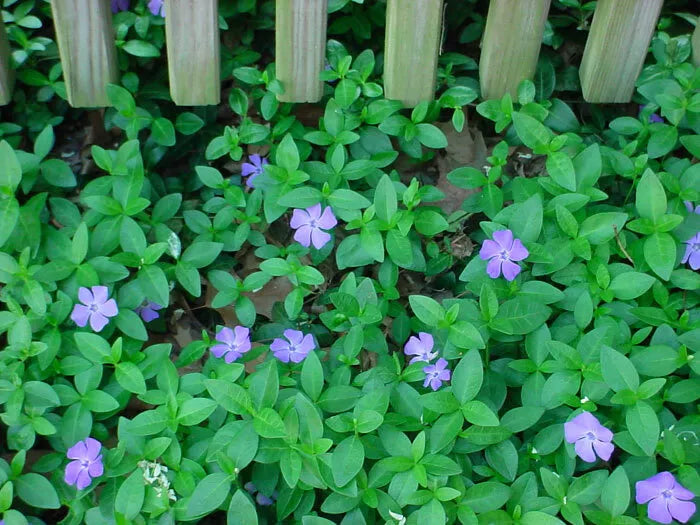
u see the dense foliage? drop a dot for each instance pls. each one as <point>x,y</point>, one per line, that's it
<point>348,313</point>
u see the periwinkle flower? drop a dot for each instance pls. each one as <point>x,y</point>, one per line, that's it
<point>653,118</point>
<point>692,252</point>
<point>233,343</point>
<point>253,169</point>
<point>668,500</point>
<point>295,349</point>
<point>157,7</point>
<point>589,437</point>
<point>260,498</point>
<point>436,374</point>
<point>120,5</point>
<point>420,347</point>
<point>692,209</point>
<point>149,311</point>
<point>502,252</point>
<point>87,463</point>
<point>310,223</point>
<point>96,307</point>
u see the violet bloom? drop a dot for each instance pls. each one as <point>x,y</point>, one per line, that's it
<point>96,308</point>
<point>503,251</point>
<point>690,208</point>
<point>668,500</point>
<point>261,498</point>
<point>87,463</point>
<point>653,118</point>
<point>692,252</point>
<point>590,437</point>
<point>233,343</point>
<point>253,168</point>
<point>157,7</point>
<point>436,374</point>
<point>310,223</point>
<point>420,347</point>
<point>149,311</point>
<point>296,349</point>
<point>120,5</point>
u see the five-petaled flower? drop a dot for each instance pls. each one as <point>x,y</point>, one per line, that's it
<point>120,5</point>
<point>157,7</point>
<point>503,251</point>
<point>668,500</point>
<point>295,349</point>
<point>589,437</point>
<point>149,311</point>
<point>233,343</point>
<point>436,374</point>
<point>86,464</point>
<point>420,347</point>
<point>310,223</point>
<point>253,168</point>
<point>692,252</point>
<point>96,307</point>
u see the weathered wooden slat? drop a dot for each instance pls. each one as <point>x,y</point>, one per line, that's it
<point>85,40</point>
<point>696,44</point>
<point>7,76</point>
<point>194,63</point>
<point>411,49</point>
<point>511,45</point>
<point>300,46</point>
<point>616,48</point>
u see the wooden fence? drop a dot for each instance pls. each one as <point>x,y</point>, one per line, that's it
<point>614,55</point>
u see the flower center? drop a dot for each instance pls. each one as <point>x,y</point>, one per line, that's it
<point>84,463</point>
<point>695,246</point>
<point>590,435</point>
<point>666,494</point>
<point>503,255</point>
<point>93,307</point>
<point>313,224</point>
<point>232,347</point>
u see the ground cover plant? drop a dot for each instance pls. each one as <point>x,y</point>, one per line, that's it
<point>478,312</point>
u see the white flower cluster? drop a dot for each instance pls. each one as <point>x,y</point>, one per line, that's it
<point>154,474</point>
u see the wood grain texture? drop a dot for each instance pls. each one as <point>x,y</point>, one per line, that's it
<point>511,45</point>
<point>696,44</point>
<point>616,48</point>
<point>194,62</point>
<point>85,40</point>
<point>7,75</point>
<point>300,48</point>
<point>411,49</point>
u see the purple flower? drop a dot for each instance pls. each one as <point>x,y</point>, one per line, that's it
<point>149,311</point>
<point>87,463</point>
<point>653,118</point>
<point>689,207</point>
<point>667,499</point>
<point>436,374</point>
<point>296,349</point>
<point>692,252</point>
<point>234,343</point>
<point>157,7</point>
<point>502,251</point>
<point>253,168</point>
<point>420,347</point>
<point>261,498</point>
<point>250,487</point>
<point>589,435</point>
<point>120,5</point>
<point>96,308</point>
<point>310,223</point>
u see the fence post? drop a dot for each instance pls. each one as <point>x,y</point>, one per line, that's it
<point>696,43</point>
<point>192,40</point>
<point>300,48</point>
<point>616,48</point>
<point>411,48</point>
<point>88,53</point>
<point>7,76</point>
<point>511,45</point>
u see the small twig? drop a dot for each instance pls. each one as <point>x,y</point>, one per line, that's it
<point>619,243</point>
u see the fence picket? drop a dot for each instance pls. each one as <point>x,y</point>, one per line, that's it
<point>7,76</point>
<point>85,40</point>
<point>192,41</point>
<point>511,45</point>
<point>696,44</point>
<point>616,48</point>
<point>300,46</point>
<point>411,48</point>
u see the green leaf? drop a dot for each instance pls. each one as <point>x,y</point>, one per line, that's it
<point>9,215</point>
<point>399,249</point>
<point>201,254</point>
<point>141,48</point>
<point>163,132</point>
<point>209,494</point>
<point>428,310</point>
<point>651,197</point>
<point>463,334</point>
<point>429,222</point>
<point>241,510</point>
<point>210,177</point>
<point>37,491</point>
<point>487,496</point>
<point>431,136</point>
<point>615,496</point>
<point>188,123</point>
<point>154,284</point>
<point>287,155</point>
<point>618,371</point>
<point>662,141</point>
<point>11,173</point>
<point>121,99</point>
<point>630,285</point>
<point>264,385</point>
<point>600,228</point>
<point>194,411</point>
<point>130,495</point>
<point>385,199</point>
<point>269,424</point>
<point>312,376</point>
<point>93,347</point>
<point>477,413</point>
<point>468,377</point>
<point>303,197</point>
<point>347,460</point>
<point>660,254</point>
<point>130,378</point>
<point>643,426</point>
<point>561,168</point>
<point>531,131</point>
<point>520,316</point>
<point>148,423</point>
<point>58,173</point>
